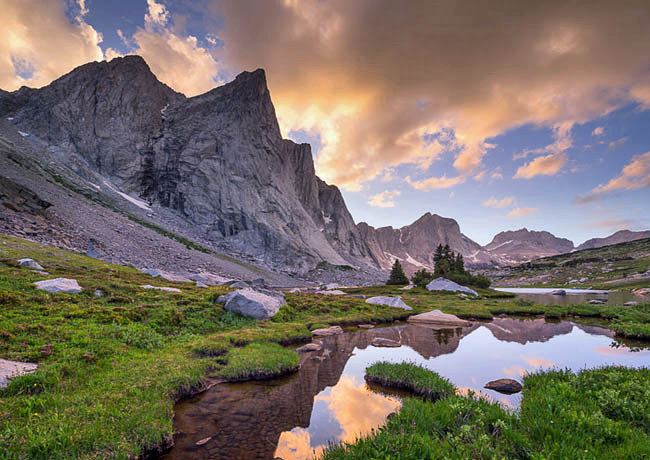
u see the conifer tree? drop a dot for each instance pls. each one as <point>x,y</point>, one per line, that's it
<point>397,275</point>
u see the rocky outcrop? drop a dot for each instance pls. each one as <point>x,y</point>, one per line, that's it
<point>443,284</point>
<point>622,236</point>
<point>515,247</point>
<point>395,302</point>
<point>415,244</point>
<point>217,160</point>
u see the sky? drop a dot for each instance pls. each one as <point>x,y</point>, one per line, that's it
<point>501,114</point>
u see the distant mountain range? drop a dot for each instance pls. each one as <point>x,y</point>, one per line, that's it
<point>109,157</point>
<point>622,236</point>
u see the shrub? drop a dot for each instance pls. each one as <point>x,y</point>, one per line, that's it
<point>422,277</point>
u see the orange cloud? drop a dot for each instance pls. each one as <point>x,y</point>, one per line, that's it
<point>296,444</point>
<point>434,182</point>
<point>502,203</point>
<point>375,77</point>
<point>634,175</point>
<point>519,212</point>
<point>547,165</point>
<point>538,362</point>
<point>384,199</point>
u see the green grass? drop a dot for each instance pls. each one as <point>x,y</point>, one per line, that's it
<point>259,361</point>
<point>639,331</point>
<point>410,377</point>
<point>595,414</point>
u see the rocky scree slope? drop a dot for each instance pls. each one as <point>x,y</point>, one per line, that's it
<point>214,165</point>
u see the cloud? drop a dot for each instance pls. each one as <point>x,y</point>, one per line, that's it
<point>598,131</point>
<point>496,176</point>
<point>435,182</point>
<point>617,143</point>
<point>547,165</point>
<point>39,44</point>
<point>176,59</point>
<point>613,224</point>
<point>502,203</point>
<point>519,212</point>
<point>635,175</point>
<point>375,77</point>
<point>480,175</point>
<point>384,199</point>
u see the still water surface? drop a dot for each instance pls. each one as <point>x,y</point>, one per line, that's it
<point>329,401</point>
<point>574,296</point>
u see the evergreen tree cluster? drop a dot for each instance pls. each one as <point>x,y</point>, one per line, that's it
<point>450,265</point>
<point>397,275</point>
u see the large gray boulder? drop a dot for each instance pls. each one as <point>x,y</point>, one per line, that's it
<point>10,369</point>
<point>395,302</point>
<point>443,284</point>
<point>59,285</point>
<point>436,317</point>
<point>252,303</point>
<point>30,263</point>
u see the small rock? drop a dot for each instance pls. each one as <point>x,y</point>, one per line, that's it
<point>160,288</point>
<point>98,293</point>
<point>506,386</point>
<point>366,326</point>
<point>10,369</point>
<point>333,330</point>
<point>382,342</point>
<point>332,286</point>
<point>630,304</point>
<point>59,285</point>
<point>166,275</point>
<point>558,292</point>
<point>395,302</point>
<point>201,285</point>
<point>29,263</point>
<point>642,291</point>
<point>203,441</point>
<point>597,302</point>
<point>333,292</point>
<point>407,288</point>
<point>309,347</point>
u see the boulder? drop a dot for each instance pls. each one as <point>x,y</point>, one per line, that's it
<point>334,292</point>
<point>160,288</point>
<point>167,275</point>
<point>10,369</point>
<point>443,284</point>
<point>253,303</point>
<point>314,346</point>
<point>395,302</point>
<point>240,285</point>
<point>506,386</point>
<point>59,285</point>
<point>382,342</point>
<point>333,330</point>
<point>558,292</point>
<point>437,317</point>
<point>29,263</point>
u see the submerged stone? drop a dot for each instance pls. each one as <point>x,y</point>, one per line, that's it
<point>558,292</point>
<point>333,330</point>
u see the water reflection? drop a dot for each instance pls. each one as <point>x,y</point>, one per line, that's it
<point>328,400</point>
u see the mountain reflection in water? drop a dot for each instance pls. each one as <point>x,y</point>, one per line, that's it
<point>328,401</point>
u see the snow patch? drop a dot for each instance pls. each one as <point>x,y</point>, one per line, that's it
<point>10,118</point>
<point>412,261</point>
<point>327,219</point>
<point>139,203</point>
<point>23,134</point>
<point>502,244</point>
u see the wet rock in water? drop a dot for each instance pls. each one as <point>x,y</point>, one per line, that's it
<point>630,303</point>
<point>365,326</point>
<point>333,330</point>
<point>506,386</point>
<point>382,342</point>
<point>438,318</point>
<point>558,292</point>
<point>309,347</point>
<point>252,303</point>
<point>333,292</point>
<point>443,284</point>
<point>29,263</point>
<point>203,441</point>
<point>597,302</point>
<point>407,288</point>
<point>10,369</point>
<point>642,291</point>
<point>59,285</point>
<point>395,302</point>
<point>160,288</point>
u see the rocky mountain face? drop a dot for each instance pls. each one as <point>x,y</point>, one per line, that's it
<point>514,247</point>
<point>216,163</point>
<point>415,244</point>
<point>622,236</point>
